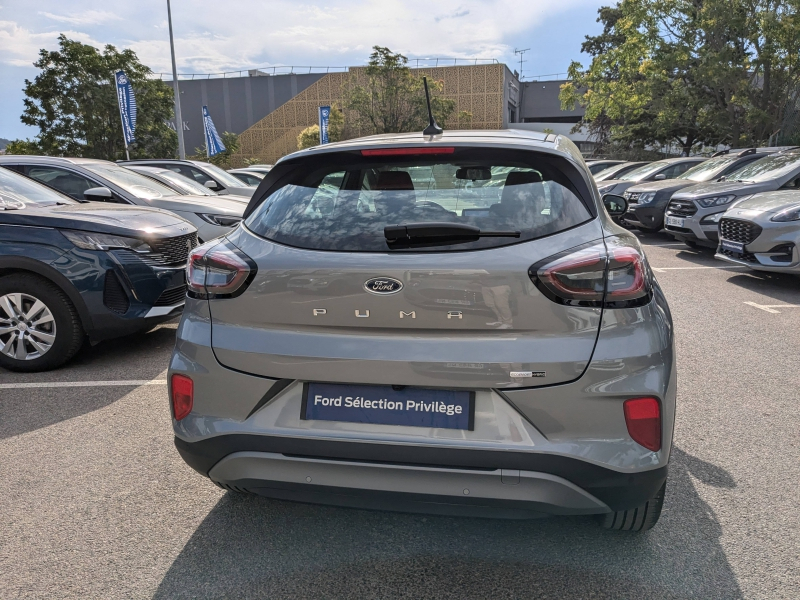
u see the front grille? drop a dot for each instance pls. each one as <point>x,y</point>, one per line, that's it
<point>681,208</point>
<point>632,197</point>
<point>171,296</point>
<point>114,296</point>
<point>739,231</point>
<point>171,251</point>
<point>745,256</point>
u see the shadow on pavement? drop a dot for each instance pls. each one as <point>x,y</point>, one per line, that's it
<point>781,286</point>
<point>27,409</point>
<point>255,547</point>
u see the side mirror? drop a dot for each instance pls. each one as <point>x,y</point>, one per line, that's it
<point>98,194</point>
<point>615,205</point>
<point>659,177</point>
<point>211,184</point>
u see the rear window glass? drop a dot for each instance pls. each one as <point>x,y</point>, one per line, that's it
<point>345,204</point>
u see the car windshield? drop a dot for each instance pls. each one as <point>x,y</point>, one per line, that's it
<point>223,177</point>
<point>767,168</point>
<point>17,191</point>
<point>130,181</point>
<point>709,169</point>
<point>185,185</point>
<point>642,172</point>
<point>609,172</point>
<point>347,206</point>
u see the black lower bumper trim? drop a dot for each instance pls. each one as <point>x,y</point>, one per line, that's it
<point>620,491</point>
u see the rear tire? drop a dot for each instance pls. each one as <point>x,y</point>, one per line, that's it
<point>640,518</point>
<point>62,319</point>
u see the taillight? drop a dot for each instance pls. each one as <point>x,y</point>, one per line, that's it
<point>182,396</point>
<point>610,273</point>
<point>219,269</point>
<point>643,420</point>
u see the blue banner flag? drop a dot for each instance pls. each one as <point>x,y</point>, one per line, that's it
<point>214,143</point>
<point>127,106</point>
<point>324,119</point>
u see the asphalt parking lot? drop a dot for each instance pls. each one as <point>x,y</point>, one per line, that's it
<point>96,502</point>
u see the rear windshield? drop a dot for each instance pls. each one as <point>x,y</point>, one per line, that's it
<point>346,204</point>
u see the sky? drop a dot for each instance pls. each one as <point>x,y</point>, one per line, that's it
<point>213,36</point>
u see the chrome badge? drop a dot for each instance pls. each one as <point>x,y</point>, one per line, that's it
<point>383,285</point>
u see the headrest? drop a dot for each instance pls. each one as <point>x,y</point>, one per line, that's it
<point>523,177</point>
<point>394,180</point>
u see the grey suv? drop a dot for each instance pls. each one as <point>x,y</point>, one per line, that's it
<point>442,324</point>
<point>693,214</point>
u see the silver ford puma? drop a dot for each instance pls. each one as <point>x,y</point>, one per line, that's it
<point>444,324</point>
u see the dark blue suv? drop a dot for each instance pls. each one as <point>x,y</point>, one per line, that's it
<point>76,270</point>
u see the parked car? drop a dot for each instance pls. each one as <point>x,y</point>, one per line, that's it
<point>76,270</point>
<point>103,181</point>
<point>247,176</point>
<point>763,232</point>
<point>203,173</point>
<point>260,168</point>
<point>597,165</point>
<point>616,171</point>
<point>544,383</point>
<point>669,168</point>
<point>648,201</point>
<point>178,183</point>
<point>694,212</point>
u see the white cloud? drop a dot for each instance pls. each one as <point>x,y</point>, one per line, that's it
<point>87,17</point>
<point>19,47</point>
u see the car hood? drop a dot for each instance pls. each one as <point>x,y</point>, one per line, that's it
<point>667,185</point>
<point>245,191</point>
<point>218,205</point>
<point>767,202</point>
<point>100,217</point>
<point>738,188</point>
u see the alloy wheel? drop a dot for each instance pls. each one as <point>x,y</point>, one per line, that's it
<point>27,327</point>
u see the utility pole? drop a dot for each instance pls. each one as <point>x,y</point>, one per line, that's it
<point>176,90</point>
<point>521,52</point>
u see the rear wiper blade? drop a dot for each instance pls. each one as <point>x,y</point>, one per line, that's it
<point>432,233</point>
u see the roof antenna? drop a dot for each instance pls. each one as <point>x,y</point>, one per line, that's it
<point>432,128</point>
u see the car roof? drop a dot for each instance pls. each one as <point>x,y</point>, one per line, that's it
<point>54,160</point>
<point>178,161</point>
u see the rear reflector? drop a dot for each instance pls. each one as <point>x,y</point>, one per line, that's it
<point>407,151</point>
<point>643,419</point>
<point>182,396</point>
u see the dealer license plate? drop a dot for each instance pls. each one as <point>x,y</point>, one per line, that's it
<point>675,221</point>
<point>732,246</point>
<point>384,405</point>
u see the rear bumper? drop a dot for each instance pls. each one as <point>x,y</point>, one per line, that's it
<point>417,478</point>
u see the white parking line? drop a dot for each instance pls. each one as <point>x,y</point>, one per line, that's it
<point>662,269</point>
<point>770,308</point>
<point>67,384</point>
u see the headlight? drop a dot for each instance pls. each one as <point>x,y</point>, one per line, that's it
<point>221,220</point>
<point>789,214</point>
<point>103,241</point>
<point>606,188</point>
<point>647,198</point>
<point>712,219</point>
<point>716,201</point>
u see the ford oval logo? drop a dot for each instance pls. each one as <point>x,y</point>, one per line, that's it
<point>383,285</point>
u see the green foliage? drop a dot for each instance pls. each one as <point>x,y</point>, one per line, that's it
<point>26,146</point>
<point>73,102</point>
<point>393,101</point>
<point>310,135</point>
<point>687,72</point>
<point>223,159</point>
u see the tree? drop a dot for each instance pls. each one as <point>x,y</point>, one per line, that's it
<point>73,102</point>
<point>222,159</point>
<point>688,72</point>
<point>393,101</point>
<point>26,146</point>
<point>310,135</point>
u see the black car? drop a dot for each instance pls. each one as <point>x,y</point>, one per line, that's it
<point>75,270</point>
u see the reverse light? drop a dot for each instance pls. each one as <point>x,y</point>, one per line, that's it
<point>643,420</point>
<point>408,151</point>
<point>182,389</point>
<point>218,269</point>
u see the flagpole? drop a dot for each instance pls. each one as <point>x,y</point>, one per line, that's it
<point>176,90</point>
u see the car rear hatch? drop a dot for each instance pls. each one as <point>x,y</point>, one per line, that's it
<point>327,297</point>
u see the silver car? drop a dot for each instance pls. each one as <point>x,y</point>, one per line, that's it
<point>447,324</point>
<point>763,232</point>
<point>669,168</point>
